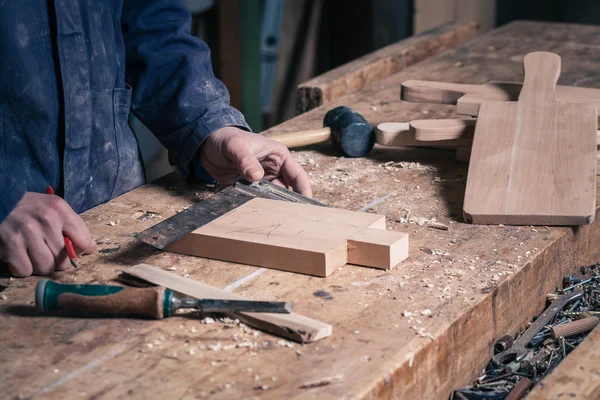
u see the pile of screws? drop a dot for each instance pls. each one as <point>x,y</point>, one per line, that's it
<point>520,363</point>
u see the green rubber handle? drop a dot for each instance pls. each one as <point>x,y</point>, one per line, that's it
<point>155,302</point>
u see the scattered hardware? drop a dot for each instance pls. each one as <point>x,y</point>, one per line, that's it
<point>520,363</point>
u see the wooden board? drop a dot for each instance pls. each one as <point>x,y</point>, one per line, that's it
<point>533,162</point>
<point>353,76</point>
<point>456,132</point>
<point>468,97</point>
<point>291,326</point>
<point>576,377</point>
<point>296,237</point>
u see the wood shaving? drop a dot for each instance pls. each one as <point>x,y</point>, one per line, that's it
<point>215,347</point>
<point>438,225</point>
<point>285,343</point>
<point>322,382</point>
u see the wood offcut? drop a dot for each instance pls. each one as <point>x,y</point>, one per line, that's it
<point>295,237</point>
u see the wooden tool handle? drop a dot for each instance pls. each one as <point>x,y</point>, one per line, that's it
<point>434,92</point>
<point>154,302</point>
<point>519,390</point>
<point>542,70</point>
<point>574,328</point>
<point>428,130</point>
<point>303,138</point>
<point>396,134</point>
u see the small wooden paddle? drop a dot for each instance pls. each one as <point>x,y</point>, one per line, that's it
<point>533,161</point>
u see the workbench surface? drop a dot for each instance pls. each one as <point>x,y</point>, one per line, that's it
<point>480,282</point>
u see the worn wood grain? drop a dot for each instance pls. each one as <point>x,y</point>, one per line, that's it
<point>380,64</point>
<point>480,282</point>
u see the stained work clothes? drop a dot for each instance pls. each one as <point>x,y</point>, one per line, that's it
<point>71,70</point>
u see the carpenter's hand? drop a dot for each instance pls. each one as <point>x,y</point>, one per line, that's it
<point>231,153</point>
<point>31,237</point>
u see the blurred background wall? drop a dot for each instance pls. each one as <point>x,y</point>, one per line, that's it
<point>262,49</point>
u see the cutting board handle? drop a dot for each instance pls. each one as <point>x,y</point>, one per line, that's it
<point>542,70</point>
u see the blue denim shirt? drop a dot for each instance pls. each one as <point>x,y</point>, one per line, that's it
<point>71,70</point>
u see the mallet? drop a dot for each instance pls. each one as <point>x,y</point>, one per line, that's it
<point>349,132</point>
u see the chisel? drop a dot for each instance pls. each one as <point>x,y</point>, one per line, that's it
<point>155,302</point>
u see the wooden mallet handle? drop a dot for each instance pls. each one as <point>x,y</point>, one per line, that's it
<point>303,138</point>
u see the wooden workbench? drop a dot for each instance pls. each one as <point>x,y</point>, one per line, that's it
<point>480,282</point>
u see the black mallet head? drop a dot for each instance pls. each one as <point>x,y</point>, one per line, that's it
<point>350,132</point>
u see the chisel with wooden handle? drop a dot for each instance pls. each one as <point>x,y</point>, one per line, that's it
<point>154,302</point>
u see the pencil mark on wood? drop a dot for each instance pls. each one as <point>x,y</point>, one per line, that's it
<point>272,230</point>
<point>259,230</point>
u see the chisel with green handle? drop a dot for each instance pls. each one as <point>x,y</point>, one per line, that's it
<point>155,302</point>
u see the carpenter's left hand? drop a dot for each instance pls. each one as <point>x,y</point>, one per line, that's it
<point>230,153</point>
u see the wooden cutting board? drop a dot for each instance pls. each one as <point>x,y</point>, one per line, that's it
<point>533,161</point>
<point>468,97</point>
<point>296,237</point>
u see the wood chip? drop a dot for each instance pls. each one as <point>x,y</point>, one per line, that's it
<point>215,347</point>
<point>438,225</point>
<point>322,382</point>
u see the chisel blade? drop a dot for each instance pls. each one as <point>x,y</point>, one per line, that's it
<point>224,306</point>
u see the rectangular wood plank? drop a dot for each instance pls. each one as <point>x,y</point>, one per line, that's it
<point>291,326</point>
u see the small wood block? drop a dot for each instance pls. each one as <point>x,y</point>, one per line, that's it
<point>400,134</point>
<point>377,248</point>
<point>458,132</point>
<point>289,236</point>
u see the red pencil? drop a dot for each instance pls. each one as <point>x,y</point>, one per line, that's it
<point>68,244</point>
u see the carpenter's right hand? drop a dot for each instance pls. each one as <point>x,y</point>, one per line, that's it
<point>32,236</point>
